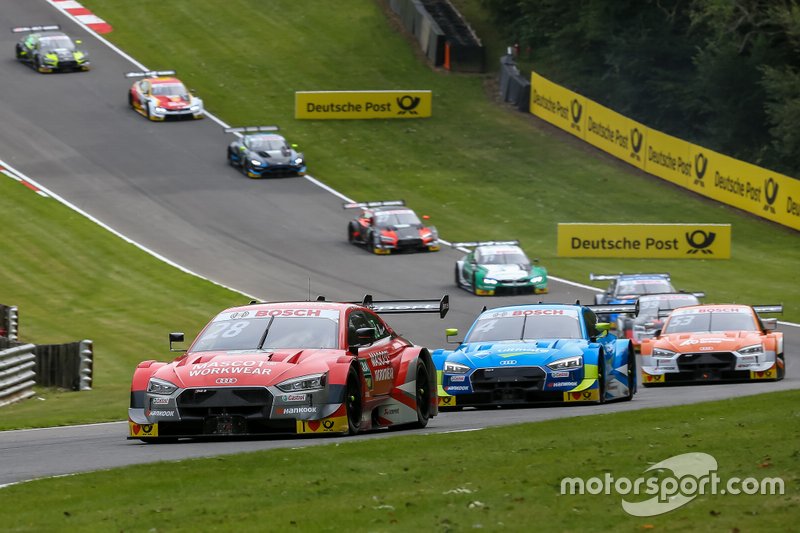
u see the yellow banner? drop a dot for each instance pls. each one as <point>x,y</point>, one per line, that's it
<point>754,189</point>
<point>557,105</point>
<point>668,157</point>
<point>616,134</point>
<point>664,241</point>
<point>362,104</point>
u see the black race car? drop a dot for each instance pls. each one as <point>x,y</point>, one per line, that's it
<point>260,152</point>
<point>46,49</point>
<point>389,226</point>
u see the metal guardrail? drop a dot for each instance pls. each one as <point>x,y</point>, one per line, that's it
<point>68,366</point>
<point>17,375</point>
<point>514,87</point>
<point>9,322</point>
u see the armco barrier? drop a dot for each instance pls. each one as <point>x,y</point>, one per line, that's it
<point>16,373</point>
<point>514,87</point>
<point>9,322</point>
<point>68,366</point>
<point>443,34</point>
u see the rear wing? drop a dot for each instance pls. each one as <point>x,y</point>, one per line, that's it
<point>23,29</point>
<point>367,205</point>
<point>474,244</point>
<point>609,277</point>
<point>620,309</point>
<point>251,129</point>
<point>768,309</point>
<point>440,306</point>
<point>150,74</point>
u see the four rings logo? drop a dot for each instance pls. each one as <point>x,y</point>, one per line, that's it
<point>408,104</point>
<point>226,381</point>
<point>700,166</point>
<point>771,194</point>
<point>700,240</point>
<point>509,362</point>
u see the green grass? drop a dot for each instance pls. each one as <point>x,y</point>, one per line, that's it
<point>481,169</point>
<point>503,479</point>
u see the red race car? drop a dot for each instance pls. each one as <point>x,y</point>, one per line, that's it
<point>160,96</point>
<point>715,343</point>
<point>289,367</point>
<point>387,226</point>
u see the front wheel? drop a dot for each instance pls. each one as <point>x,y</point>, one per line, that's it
<point>631,376</point>
<point>458,277</point>
<point>352,401</point>
<point>781,368</point>
<point>351,233</point>
<point>423,395</point>
<point>601,379</point>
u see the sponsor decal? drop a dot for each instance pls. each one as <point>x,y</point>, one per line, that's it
<point>652,378</point>
<point>333,424</point>
<point>529,312</point>
<point>576,109</point>
<point>226,381</point>
<point>367,372</point>
<point>636,143</point>
<point>384,374</point>
<point>380,358</point>
<point>699,241</point>
<point>294,397</point>
<point>305,410</point>
<point>770,194</point>
<point>559,374</point>
<point>509,362</point>
<point>143,430</point>
<point>691,342</point>
<point>231,367</point>
<point>562,384</point>
<point>159,401</point>
<point>159,412</point>
<point>289,312</point>
<point>456,388</point>
<point>391,411</point>
<point>362,104</point>
<point>447,401</point>
<point>458,379</point>
<point>772,373</point>
<point>582,396</point>
<point>700,166</point>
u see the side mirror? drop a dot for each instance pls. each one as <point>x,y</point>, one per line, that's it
<point>175,337</point>
<point>365,336</point>
<point>657,333</point>
<point>770,324</point>
<point>451,332</point>
<point>78,41</point>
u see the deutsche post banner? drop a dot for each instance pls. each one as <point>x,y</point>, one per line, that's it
<point>616,134</point>
<point>662,241</point>
<point>557,105</point>
<point>362,104</point>
<point>668,157</point>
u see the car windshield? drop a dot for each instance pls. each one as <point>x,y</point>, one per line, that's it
<point>396,218</point>
<point>53,43</point>
<point>261,144</point>
<point>650,306</point>
<point>170,89</point>
<point>710,321</point>
<point>517,328</point>
<point>266,333</point>
<point>644,286</point>
<point>502,257</point>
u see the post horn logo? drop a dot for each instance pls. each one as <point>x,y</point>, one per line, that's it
<point>705,240</point>
<point>771,194</point>
<point>575,110</point>
<point>408,104</point>
<point>700,167</point>
<point>327,424</point>
<point>636,143</point>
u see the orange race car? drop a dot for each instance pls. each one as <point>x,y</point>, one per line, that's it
<point>703,343</point>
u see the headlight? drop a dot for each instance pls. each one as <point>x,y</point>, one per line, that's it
<point>427,235</point>
<point>455,368</point>
<point>387,238</point>
<point>490,281</point>
<point>255,162</point>
<point>567,364</point>
<point>159,386</point>
<point>194,108</point>
<point>160,110</point>
<point>50,59</point>
<point>537,279</point>
<point>661,352</point>
<point>298,161</point>
<point>752,350</point>
<point>304,383</point>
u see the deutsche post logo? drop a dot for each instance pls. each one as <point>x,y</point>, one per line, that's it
<point>636,143</point>
<point>700,240</point>
<point>327,424</point>
<point>576,109</point>
<point>408,104</point>
<point>771,194</point>
<point>700,167</point>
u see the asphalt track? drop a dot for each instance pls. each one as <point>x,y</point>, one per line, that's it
<point>168,187</point>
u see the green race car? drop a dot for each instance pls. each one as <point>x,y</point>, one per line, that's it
<point>48,50</point>
<point>498,267</point>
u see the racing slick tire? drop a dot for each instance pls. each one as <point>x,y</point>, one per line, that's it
<point>781,368</point>
<point>352,401</point>
<point>18,52</point>
<point>230,158</point>
<point>372,243</point>
<point>39,65</point>
<point>351,232</point>
<point>632,375</point>
<point>601,380</point>
<point>148,111</point>
<point>598,299</point>
<point>458,277</point>
<point>474,286</point>
<point>423,395</point>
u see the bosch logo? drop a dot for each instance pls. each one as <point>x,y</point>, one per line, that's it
<point>509,362</point>
<point>226,381</point>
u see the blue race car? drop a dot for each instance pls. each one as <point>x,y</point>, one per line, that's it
<point>626,288</point>
<point>260,152</point>
<point>524,354</point>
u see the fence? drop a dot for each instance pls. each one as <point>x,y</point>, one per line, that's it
<point>17,374</point>
<point>9,322</point>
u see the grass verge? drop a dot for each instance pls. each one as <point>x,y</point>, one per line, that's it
<point>501,479</point>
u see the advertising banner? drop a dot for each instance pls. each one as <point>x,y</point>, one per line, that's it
<point>668,158</point>
<point>662,241</point>
<point>616,134</point>
<point>362,104</point>
<point>557,105</point>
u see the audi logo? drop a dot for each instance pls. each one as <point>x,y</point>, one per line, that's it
<point>226,381</point>
<point>509,362</point>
